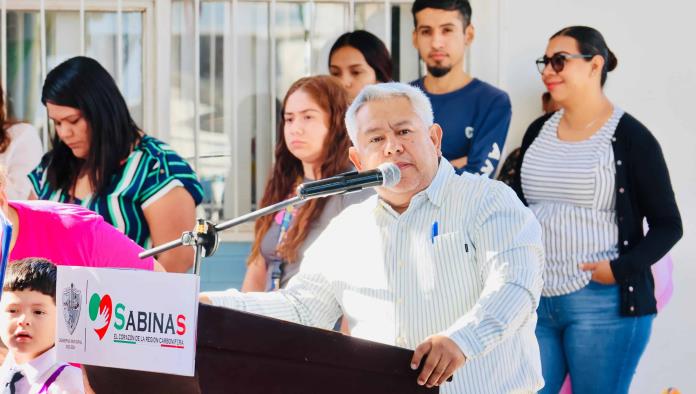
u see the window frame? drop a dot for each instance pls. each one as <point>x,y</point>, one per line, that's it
<point>146,7</point>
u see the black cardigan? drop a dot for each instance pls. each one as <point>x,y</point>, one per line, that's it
<point>643,190</point>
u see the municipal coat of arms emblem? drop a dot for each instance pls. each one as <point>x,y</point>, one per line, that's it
<point>71,306</point>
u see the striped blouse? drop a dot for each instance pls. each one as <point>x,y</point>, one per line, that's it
<point>151,170</point>
<point>570,188</point>
<point>464,260</point>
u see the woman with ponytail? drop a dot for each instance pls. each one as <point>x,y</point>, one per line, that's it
<point>312,144</point>
<point>592,173</point>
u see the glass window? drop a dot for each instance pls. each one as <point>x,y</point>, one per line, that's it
<point>406,61</point>
<point>24,80</point>
<point>330,21</point>
<point>293,49</point>
<point>61,24</point>
<point>181,102</point>
<point>24,77</point>
<point>370,17</point>
<point>255,102</point>
<point>214,108</point>
<point>211,66</point>
<point>101,43</point>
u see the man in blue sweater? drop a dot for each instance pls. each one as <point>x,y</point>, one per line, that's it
<point>474,115</point>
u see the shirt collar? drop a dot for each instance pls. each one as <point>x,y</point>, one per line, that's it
<point>34,369</point>
<point>435,192</point>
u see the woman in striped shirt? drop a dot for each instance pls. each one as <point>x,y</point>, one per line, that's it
<point>103,161</point>
<point>592,173</point>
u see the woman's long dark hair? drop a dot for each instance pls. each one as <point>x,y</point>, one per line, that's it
<point>373,50</point>
<point>82,83</point>
<point>330,96</point>
<point>591,42</point>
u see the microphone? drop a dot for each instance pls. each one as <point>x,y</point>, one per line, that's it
<point>386,174</point>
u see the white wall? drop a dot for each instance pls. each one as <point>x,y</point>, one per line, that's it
<point>656,82</point>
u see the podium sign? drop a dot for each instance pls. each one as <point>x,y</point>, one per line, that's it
<point>129,319</point>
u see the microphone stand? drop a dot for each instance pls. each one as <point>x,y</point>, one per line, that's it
<point>204,236</point>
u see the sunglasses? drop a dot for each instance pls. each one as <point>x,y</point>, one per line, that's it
<point>558,61</point>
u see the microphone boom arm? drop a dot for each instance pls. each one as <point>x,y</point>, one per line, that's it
<point>204,237</point>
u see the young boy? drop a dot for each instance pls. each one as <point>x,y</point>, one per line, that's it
<point>28,327</point>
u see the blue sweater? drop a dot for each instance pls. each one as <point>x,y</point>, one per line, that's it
<point>474,121</point>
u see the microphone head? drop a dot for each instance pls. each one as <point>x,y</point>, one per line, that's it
<point>390,173</point>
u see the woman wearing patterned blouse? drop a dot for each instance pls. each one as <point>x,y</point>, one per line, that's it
<point>103,161</point>
<point>592,173</point>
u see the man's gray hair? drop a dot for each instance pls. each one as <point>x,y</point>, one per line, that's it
<point>383,91</point>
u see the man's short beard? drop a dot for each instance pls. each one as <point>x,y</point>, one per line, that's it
<point>438,72</point>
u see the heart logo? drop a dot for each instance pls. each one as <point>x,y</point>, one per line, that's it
<point>100,313</point>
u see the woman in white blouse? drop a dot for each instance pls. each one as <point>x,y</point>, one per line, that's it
<point>20,152</point>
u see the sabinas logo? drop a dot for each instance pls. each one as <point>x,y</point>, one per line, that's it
<point>100,312</point>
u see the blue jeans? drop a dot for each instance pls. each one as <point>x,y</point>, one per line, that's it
<point>582,333</point>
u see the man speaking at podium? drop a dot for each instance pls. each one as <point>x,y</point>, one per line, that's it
<point>447,265</point>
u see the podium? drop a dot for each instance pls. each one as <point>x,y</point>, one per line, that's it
<point>238,352</point>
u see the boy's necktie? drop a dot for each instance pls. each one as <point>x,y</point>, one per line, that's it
<point>10,385</point>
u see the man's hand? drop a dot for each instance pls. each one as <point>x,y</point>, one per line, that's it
<point>204,299</point>
<point>601,272</point>
<point>443,358</point>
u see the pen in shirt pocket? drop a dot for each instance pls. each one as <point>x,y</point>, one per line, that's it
<point>436,231</point>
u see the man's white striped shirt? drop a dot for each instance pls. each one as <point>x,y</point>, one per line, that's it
<point>477,281</point>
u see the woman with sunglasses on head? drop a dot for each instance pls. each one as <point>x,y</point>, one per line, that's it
<point>359,58</point>
<point>101,160</point>
<point>312,144</point>
<point>591,173</point>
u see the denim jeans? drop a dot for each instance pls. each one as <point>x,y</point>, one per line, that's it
<point>582,333</point>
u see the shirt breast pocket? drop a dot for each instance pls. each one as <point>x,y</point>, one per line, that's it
<point>454,256</point>
<point>454,247</point>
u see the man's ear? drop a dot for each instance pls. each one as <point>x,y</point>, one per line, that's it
<point>435,134</point>
<point>355,158</point>
<point>469,34</point>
